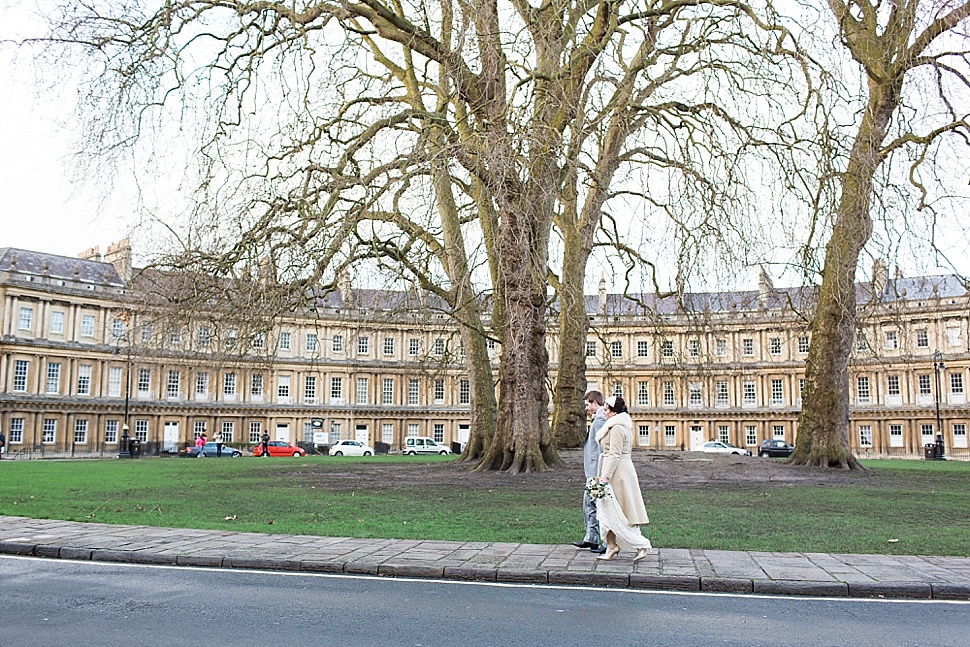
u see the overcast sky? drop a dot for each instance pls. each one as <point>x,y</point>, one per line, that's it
<point>41,209</point>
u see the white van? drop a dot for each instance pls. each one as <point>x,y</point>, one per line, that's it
<point>414,445</point>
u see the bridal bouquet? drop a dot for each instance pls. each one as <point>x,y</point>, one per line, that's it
<point>596,488</point>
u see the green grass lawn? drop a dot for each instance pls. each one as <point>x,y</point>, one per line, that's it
<point>911,507</point>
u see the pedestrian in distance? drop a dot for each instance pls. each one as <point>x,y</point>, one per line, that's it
<point>3,444</point>
<point>217,439</point>
<point>200,442</point>
<point>265,445</point>
<point>620,510</point>
<point>593,403</point>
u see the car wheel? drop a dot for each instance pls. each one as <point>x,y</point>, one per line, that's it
<point>297,454</point>
<point>338,453</point>
<point>367,454</point>
<point>763,455</point>
<point>443,452</point>
<point>200,455</point>
<point>236,454</point>
<point>411,453</point>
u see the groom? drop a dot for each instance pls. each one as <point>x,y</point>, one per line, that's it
<point>593,402</point>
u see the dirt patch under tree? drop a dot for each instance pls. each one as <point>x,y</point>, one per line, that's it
<point>657,471</point>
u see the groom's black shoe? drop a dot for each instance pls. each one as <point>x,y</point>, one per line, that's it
<point>585,544</point>
<point>599,550</point>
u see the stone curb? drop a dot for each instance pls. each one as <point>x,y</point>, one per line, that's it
<point>812,589</point>
<point>951,591</point>
<point>919,590</point>
<point>665,582</point>
<point>479,573</point>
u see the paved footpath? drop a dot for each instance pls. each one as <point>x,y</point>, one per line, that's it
<point>680,569</point>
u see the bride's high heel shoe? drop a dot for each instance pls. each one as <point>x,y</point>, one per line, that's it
<point>610,553</point>
<point>641,553</point>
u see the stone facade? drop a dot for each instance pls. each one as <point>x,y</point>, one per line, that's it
<point>79,359</point>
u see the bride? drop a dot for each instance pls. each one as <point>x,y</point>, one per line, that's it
<point>621,512</point>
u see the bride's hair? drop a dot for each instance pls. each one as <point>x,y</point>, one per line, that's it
<point>616,404</point>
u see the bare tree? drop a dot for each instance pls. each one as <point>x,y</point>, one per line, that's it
<point>915,60</point>
<point>441,143</point>
<point>700,103</point>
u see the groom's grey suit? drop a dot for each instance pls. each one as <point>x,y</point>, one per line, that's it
<point>591,457</point>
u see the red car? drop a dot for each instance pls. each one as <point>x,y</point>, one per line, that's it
<point>279,448</point>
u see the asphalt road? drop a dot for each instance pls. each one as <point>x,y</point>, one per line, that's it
<point>74,604</point>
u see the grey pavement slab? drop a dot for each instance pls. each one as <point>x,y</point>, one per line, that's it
<point>673,569</point>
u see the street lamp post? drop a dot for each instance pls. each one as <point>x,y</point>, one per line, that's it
<point>124,446</point>
<point>938,367</point>
<point>123,451</point>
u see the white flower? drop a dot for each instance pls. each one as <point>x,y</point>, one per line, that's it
<point>596,488</point>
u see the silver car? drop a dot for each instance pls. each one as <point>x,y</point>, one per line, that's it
<point>718,447</point>
<point>351,448</point>
<point>414,445</point>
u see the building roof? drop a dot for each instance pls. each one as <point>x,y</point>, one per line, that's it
<point>643,304</point>
<point>899,289</point>
<point>58,267</point>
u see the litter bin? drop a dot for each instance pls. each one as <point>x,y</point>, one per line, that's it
<point>134,446</point>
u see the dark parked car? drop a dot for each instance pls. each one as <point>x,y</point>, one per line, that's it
<point>209,451</point>
<point>775,449</point>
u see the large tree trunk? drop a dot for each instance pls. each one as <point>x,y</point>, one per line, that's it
<point>824,421</point>
<point>523,441</point>
<point>568,416</point>
<point>823,426</point>
<point>525,197</point>
<point>482,391</point>
<point>467,311</point>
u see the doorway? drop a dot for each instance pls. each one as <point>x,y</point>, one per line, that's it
<point>696,437</point>
<point>283,432</point>
<point>170,438</point>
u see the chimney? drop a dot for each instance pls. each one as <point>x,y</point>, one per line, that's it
<point>765,288</point>
<point>602,293</point>
<point>880,279</point>
<point>119,255</point>
<point>266,273</point>
<point>90,254</point>
<point>347,291</point>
